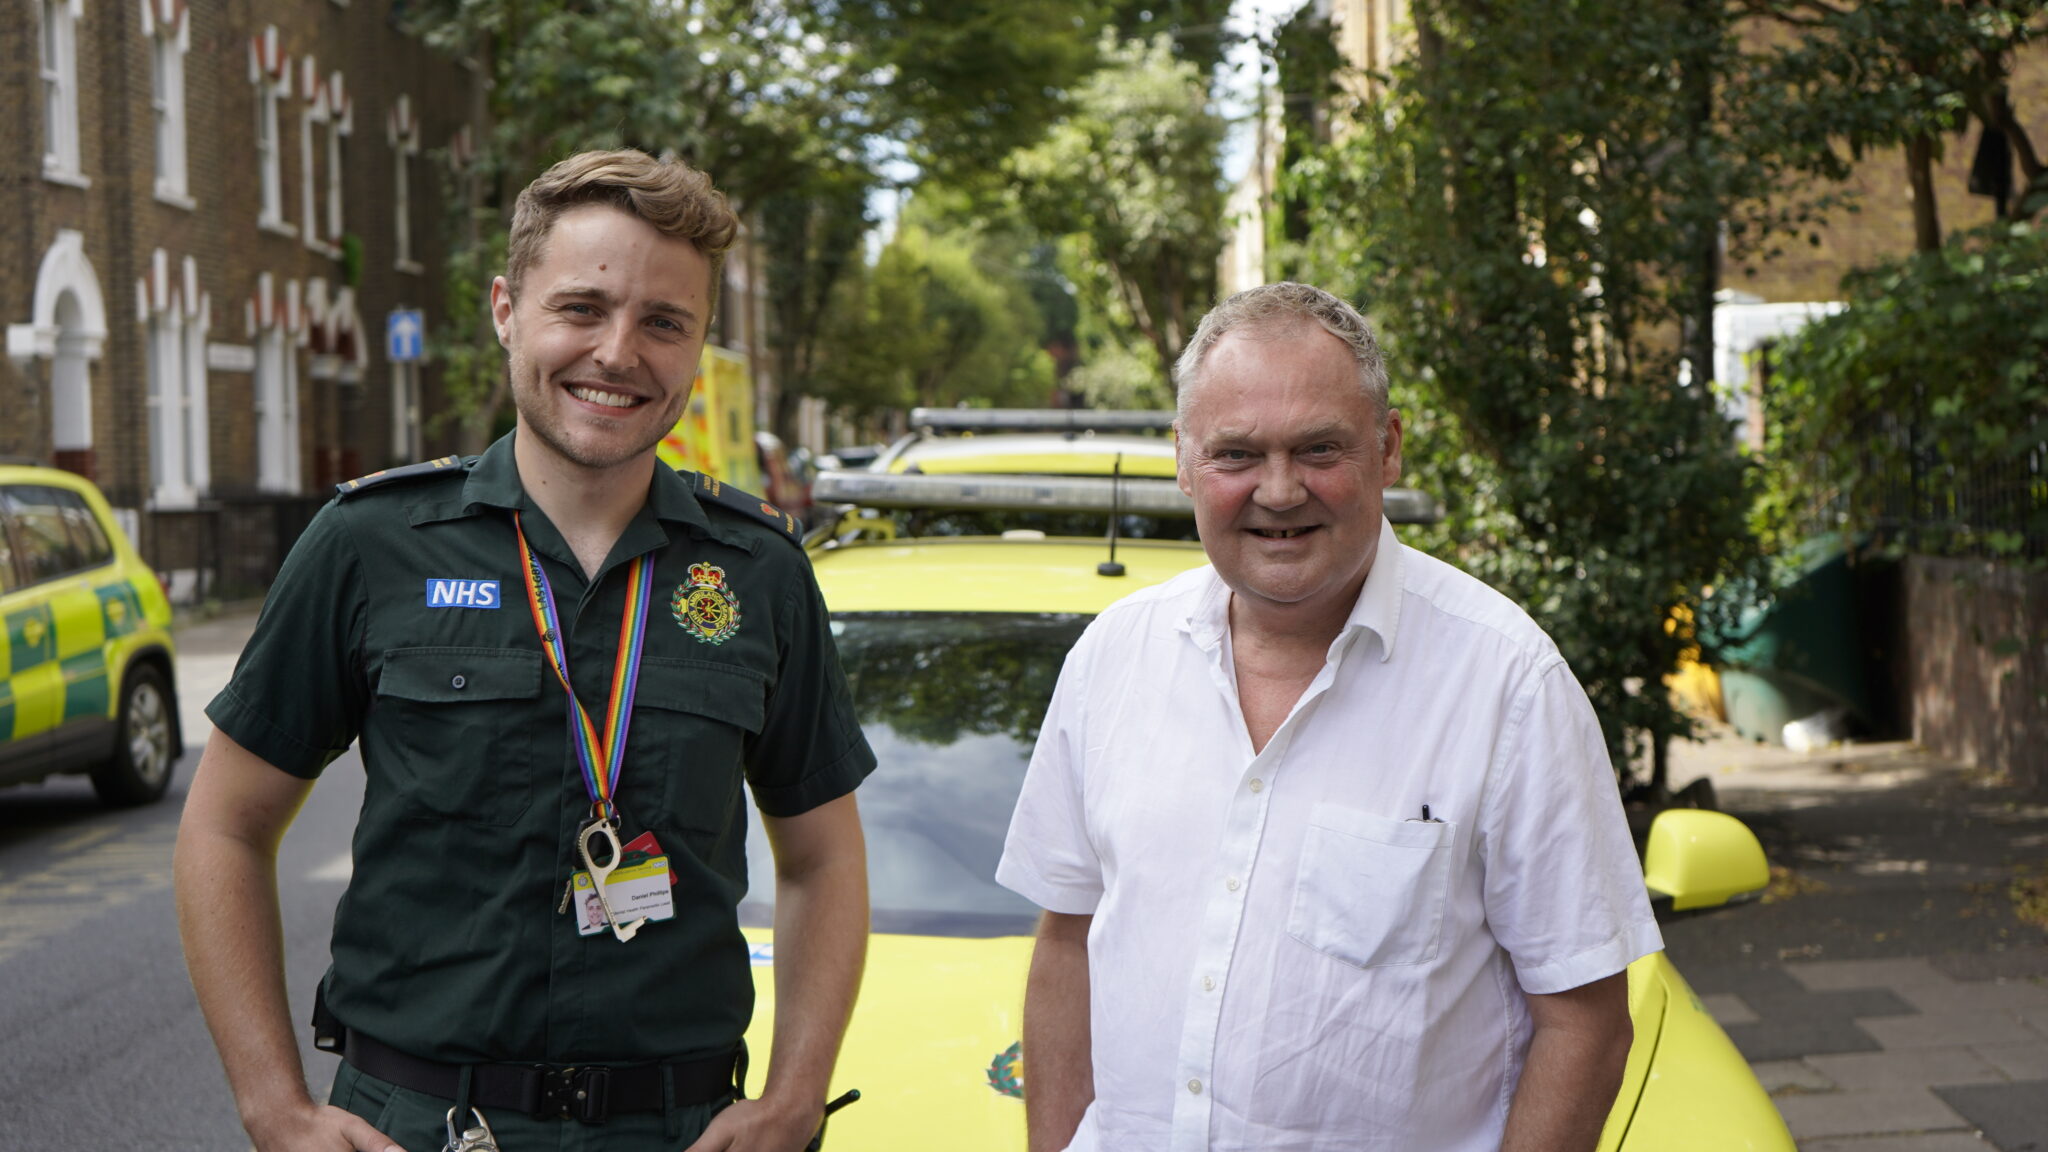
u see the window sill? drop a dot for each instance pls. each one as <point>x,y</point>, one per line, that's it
<point>331,251</point>
<point>411,267</point>
<point>176,200</point>
<point>173,502</point>
<point>278,227</point>
<point>68,179</point>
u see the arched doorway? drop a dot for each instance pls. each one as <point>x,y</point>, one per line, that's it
<point>67,327</point>
<point>71,388</point>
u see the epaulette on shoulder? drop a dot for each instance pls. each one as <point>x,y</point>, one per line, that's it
<point>718,492</point>
<point>404,472</point>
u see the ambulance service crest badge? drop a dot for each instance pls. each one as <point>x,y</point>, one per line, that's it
<point>705,607</point>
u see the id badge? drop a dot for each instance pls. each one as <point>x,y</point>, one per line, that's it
<point>635,891</point>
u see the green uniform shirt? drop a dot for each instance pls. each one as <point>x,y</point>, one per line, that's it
<point>447,943</point>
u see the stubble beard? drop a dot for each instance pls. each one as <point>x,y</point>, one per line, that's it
<point>541,418</point>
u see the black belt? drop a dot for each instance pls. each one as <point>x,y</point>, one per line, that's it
<point>586,1092</point>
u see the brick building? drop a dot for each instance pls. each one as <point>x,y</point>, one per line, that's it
<point>207,211</point>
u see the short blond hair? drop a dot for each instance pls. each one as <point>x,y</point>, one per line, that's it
<point>669,194</point>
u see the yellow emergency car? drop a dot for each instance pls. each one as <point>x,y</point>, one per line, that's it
<point>86,650</point>
<point>952,646</point>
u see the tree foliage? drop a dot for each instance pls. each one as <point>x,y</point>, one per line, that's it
<point>1920,412</point>
<point>791,105</point>
<point>968,80</point>
<point>942,318</point>
<point>1132,174</point>
<point>1539,258</point>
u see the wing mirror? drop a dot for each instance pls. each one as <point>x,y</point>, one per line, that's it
<point>1700,859</point>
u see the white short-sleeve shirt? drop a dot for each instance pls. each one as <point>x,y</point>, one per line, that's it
<point>1285,956</point>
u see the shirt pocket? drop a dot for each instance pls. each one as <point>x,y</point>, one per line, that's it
<point>699,717</point>
<point>1369,890</point>
<point>462,725</point>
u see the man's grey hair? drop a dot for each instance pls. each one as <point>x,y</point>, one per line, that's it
<point>1268,312</point>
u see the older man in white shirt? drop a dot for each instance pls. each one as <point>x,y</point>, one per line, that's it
<point>1330,849</point>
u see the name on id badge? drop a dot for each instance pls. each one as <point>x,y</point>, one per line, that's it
<point>635,891</point>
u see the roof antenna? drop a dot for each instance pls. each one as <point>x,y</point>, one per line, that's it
<point>1110,567</point>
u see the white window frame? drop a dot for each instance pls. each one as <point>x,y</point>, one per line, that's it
<point>271,214</point>
<point>168,45</point>
<point>277,411</point>
<point>271,89</point>
<point>342,124</point>
<point>174,347</point>
<point>198,441</point>
<point>57,56</point>
<point>404,134</point>
<point>309,182</point>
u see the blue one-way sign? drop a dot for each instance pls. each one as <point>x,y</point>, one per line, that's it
<point>404,332</point>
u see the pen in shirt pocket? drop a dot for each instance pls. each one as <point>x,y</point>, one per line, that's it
<point>1425,818</point>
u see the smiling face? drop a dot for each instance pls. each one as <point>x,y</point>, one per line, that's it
<point>1280,451</point>
<point>604,337</point>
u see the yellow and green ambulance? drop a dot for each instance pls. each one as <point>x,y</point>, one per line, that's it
<point>86,672</point>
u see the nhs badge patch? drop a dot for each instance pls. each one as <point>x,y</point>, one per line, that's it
<point>447,593</point>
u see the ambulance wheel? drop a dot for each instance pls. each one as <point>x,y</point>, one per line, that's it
<point>140,769</point>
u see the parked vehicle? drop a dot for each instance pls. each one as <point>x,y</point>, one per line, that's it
<point>89,681</point>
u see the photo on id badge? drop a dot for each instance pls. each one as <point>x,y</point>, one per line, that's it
<point>638,888</point>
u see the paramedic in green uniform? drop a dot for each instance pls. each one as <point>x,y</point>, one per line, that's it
<point>432,613</point>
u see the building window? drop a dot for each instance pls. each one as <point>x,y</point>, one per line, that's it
<point>311,151</point>
<point>175,352</point>
<point>266,158</point>
<point>277,412</point>
<point>60,89</point>
<point>271,73</point>
<point>169,39</point>
<point>404,133</point>
<point>341,122</point>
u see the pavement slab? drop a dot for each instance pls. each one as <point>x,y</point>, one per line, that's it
<point>1837,975</point>
<point>1789,1021</point>
<point>1911,1068</point>
<point>1921,1142</point>
<point>1727,1008</point>
<point>2016,997</point>
<point>1999,962</point>
<point>2013,1117</point>
<point>1890,1110</point>
<point>2018,1061</point>
<point>1785,1076</point>
<point>1780,1039</point>
<point>1948,1031</point>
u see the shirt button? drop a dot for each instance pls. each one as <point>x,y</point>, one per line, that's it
<point>1231,883</point>
<point>1258,785</point>
<point>459,682</point>
<point>1208,984</point>
<point>1195,1086</point>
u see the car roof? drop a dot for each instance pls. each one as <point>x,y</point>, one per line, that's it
<point>1036,453</point>
<point>11,473</point>
<point>988,574</point>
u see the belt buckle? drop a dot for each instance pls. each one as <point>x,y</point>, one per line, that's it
<point>576,1093</point>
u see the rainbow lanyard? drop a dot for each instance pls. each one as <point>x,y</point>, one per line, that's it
<point>591,752</point>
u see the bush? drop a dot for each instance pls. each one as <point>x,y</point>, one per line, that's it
<point>1920,412</point>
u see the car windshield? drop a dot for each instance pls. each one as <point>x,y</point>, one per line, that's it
<point>951,703</point>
